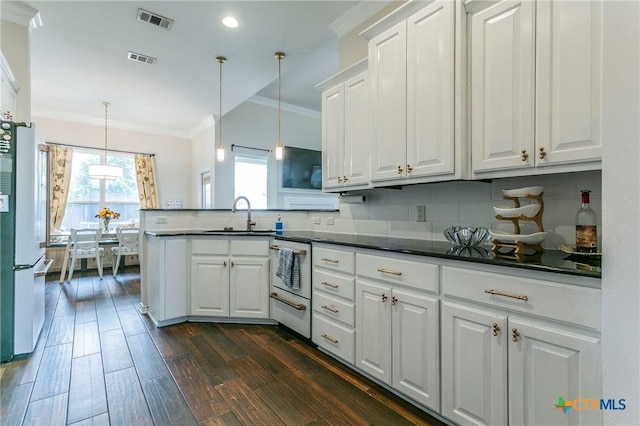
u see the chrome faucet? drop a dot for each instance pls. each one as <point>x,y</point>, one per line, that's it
<point>250,223</point>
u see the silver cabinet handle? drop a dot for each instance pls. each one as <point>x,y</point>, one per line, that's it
<point>332,340</point>
<point>326,259</point>
<point>329,284</point>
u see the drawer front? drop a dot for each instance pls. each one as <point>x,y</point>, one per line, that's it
<point>415,274</point>
<point>337,260</point>
<point>563,302</point>
<point>210,246</point>
<point>334,338</point>
<point>337,285</point>
<point>295,317</point>
<point>336,309</point>
<point>250,247</point>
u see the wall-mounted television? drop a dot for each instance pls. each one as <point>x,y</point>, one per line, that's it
<point>301,168</point>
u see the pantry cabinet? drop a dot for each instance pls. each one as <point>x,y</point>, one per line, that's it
<point>535,77</point>
<point>345,129</point>
<point>8,87</point>
<point>230,278</point>
<point>510,350</point>
<point>412,91</point>
<point>397,325</point>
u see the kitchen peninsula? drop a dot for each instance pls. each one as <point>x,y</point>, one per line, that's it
<point>407,300</point>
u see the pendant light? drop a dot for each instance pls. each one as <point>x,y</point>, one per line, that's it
<point>103,170</point>
<point>279,147</point>
<point>220,150</point>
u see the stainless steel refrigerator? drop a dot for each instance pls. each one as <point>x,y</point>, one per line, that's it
<point>23,214</point>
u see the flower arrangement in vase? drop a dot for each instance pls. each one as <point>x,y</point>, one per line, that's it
<point>106,215</point>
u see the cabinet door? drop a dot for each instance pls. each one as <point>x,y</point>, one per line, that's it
<point>388,85</point>
<point>568,81</point>
<point>356,137</point>
<point>249,286</point>
<point>210,286</point>
<point>474,365</point>
<point>373,330</point>
<point>430,91</point>
<point>333,137</point>
<point>502,86</point>
<point>545,364</point>
<point>416,348</point>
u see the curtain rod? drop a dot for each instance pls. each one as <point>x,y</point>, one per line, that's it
<point>249,147</point>
<point>100,149</point>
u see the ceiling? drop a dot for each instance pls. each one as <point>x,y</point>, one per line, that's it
<point>79,59</point>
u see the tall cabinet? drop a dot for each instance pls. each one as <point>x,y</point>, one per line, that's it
<point>345,129</point>
<point>535,77</point>
<point>412,69</point>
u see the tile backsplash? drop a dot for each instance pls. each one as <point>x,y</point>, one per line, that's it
<point>393,212</point>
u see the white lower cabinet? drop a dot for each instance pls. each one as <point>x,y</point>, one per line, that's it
<point>230,278</point>
<point>165,270</point>
<point>333,320</point>
<point>503,364</point>
<point>397,325</point>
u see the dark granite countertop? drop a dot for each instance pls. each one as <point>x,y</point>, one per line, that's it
<point>549,261</point>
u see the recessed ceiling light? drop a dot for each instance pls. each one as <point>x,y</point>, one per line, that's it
<point>230,22</point>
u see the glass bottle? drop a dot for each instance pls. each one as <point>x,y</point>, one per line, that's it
<point>586,227</point>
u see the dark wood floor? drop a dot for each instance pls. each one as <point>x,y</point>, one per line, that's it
<point>99,362</point>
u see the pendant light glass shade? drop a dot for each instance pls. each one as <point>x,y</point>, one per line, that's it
<point>220,149</point>
<point>279,151</point>
<point>105,171</point>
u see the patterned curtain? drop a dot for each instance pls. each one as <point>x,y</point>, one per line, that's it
<point>60,179</point>
<point>146,178</point>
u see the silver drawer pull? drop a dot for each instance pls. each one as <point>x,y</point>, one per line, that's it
<point>330,309</point>
<point>326,259</point>
<point>329,284</point>
<point>296,306</point>
<point>389,271</point>
<point>332,340</point>
<point>513,296</point>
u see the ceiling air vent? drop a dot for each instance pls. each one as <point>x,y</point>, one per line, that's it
<point>141,58</point>
<point>155,19</point>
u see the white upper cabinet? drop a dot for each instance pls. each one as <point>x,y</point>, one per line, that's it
<point>502,91</point>
<point>412,90</point>
<point>535,86</point>
<point>8,88</point>
<point>345,130</point>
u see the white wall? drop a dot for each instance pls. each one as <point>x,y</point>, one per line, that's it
<point>202,159</point>
<point>172,154</point>
<point>15,45</point>
<point>621,210</point>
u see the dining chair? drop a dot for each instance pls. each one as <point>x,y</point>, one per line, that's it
<point>128,243</point>
<point>85,244</point>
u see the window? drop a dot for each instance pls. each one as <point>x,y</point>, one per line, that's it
<point>251,179</point>
<point>87,196</point>
<point>205,187</point>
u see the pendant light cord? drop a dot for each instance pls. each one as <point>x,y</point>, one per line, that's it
<point>106,105</point>
<point>220,106</point>
<point>279,92</point>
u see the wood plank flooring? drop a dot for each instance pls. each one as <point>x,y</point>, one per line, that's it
<point>99,362</point>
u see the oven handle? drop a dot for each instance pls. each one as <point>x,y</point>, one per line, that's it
<point>298,252</point>
<point>296,306</point>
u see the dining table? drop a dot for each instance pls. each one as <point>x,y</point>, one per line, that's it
<point>107,236</point>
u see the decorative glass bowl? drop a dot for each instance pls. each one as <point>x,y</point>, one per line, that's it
<point>466,236</point>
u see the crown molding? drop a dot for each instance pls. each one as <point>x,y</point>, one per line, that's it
<point>17,12</point>
<point>205,124</point>
<point>91,121</point>
<point>357,15</point>
<point>261,100</point>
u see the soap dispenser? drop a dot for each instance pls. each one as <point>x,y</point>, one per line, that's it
<point>279,226</point>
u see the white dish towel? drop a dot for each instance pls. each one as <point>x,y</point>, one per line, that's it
<point>288,268</point>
